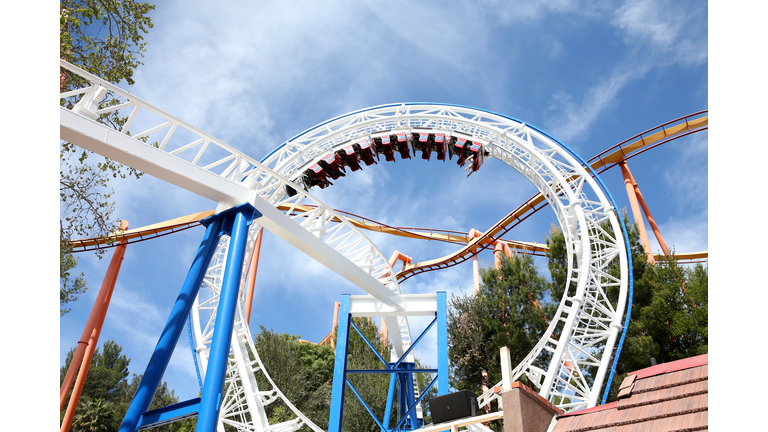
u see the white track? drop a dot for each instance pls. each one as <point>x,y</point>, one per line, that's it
<point>583,332</point>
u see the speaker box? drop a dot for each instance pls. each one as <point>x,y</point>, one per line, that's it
<point>453,406</point>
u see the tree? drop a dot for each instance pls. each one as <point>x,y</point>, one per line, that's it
<point>302,371</point>
<point>423,380</point>
<point>106,374</point>
<point>163,398</point>
<point>103,390</point>
<point>669,306</point>
<point>668,322</point>
<point>507,311</point>
<point>107,394</point>
<point>94,416</point>
<point>373,388</point>
<point>104,37</point>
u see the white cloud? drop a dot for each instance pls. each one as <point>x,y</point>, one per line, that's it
<point>673,33</point>
<point>659,35</point>
<point>573,121</point>
<point>684,235</point>
<point>532,10</point>
<point>649,20</point>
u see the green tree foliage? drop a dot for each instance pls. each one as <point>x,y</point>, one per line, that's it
<point>373,388</point>
<point>670,322</point>
<point>669,313</point>
<point>94,416</point>
<point>107,394</point>
<point>423,380</point>
<point>163,398</point>
<point>669,306</point>
<point>106,375</point>
<point>104,37</point>
<point>304,373</point>
<point>508,311</point>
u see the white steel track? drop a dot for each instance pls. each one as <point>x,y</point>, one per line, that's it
<point>570,361</point>
<point>579,342</point>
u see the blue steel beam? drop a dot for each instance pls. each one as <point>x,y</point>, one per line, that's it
<point>340,367</point>
<point>424,393</point>
<point>169,414</point>
<point>442,344</point>
<point>210,402</point>
<point>367,342</point>
<point>173,327</point>
<point>401,373</point>
<point>390,401</point>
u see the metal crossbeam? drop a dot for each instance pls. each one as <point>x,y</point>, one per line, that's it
<point>127,150</point>
<point>402,366</point>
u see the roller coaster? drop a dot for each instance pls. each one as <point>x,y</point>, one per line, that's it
<point>585,333</point>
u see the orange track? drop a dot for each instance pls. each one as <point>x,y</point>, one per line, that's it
<point>603,161</point>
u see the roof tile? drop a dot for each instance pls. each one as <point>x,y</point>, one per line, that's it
<point>664,398</point>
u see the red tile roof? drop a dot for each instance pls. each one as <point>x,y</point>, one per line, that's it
<point>663,398</point>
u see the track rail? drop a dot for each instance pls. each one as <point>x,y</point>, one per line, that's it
<point>579,203</point>
<point>605,160</point>
<point>584,330</point>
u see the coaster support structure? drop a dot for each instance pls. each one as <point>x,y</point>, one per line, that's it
<point>216,226</point>
<point>402,366</point>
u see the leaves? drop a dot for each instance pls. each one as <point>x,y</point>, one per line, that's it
<point>104,37</point>
<point>507,311</point>
<point>107,394</point>
<point>669,314</point>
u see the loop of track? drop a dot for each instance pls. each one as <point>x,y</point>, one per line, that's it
<point>586,324</point>
<point>583,332</point>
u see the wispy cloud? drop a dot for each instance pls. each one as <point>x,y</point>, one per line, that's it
<point>535,10</point>
<point>573,120</point>
<point>658,34</point>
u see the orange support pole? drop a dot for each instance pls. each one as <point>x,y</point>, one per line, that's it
<point>252,267</point>
<point>98,304</point>
<point>110,279</point>
<point>336,307</point>
<point>646,210</point>
<point>499,247</point>
<point>384,333</point>
<point>631,186</point>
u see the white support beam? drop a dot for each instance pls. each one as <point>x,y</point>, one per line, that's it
<point>454,426</point>
<point>287,229</point>
<point>414,305</point>
<point>93,136</point>
<point>127,150</point>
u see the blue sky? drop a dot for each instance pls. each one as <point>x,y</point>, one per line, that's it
<point>254,75</point>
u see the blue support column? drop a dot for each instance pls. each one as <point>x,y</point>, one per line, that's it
<point>210,402</point>
<point>390,400</point>
<point>442,344</point>
<point>409,378</point>
<point>401,381</point>
<point>340,367</point>
<point>173,327</point>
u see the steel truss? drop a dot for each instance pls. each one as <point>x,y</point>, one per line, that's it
<point>583,332</point>
<point>568,364</point>
<point>243,401</point>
